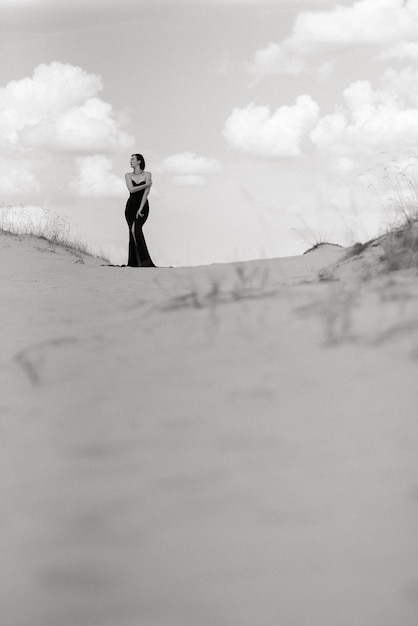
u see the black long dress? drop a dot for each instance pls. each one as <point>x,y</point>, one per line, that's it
<point>138,252</point>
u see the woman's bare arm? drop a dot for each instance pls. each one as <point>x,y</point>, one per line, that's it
<point>146,193</point>
<point>143,185</point>
<point>143,201</point>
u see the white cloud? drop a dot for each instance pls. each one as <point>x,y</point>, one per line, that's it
<point>325,69</point>
<point>255,130</point>
<point>344,166</point>
<point>373,119</point>
<point>58,109</point>
<point>274,59</point>
<point>190,163</point>
<point>407,51</point>
<point>87,128</point>
<point>96,180</point>
<point>189,169</point>
<point>189,180</point>
<point>133,3</point>
<point>18,181</point>
<point>365,22</point>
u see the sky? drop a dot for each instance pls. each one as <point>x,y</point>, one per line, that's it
<point>268,125</point>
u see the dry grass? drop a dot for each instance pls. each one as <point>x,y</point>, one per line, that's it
<point>33,357</point>
<point>400,199</point>
<point>247,284</point>
<point>396,249</point>
<point>320,243</point>
<point>49,227</point>
<point>355,250</point>
<point>400,247</point>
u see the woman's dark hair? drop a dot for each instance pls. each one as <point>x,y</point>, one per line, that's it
<point>141,160</point>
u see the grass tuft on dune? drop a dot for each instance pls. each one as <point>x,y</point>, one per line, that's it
<point>44,226</point>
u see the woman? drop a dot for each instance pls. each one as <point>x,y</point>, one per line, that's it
<point>137,208</point>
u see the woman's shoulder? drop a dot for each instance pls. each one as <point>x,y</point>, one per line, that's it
<point>147,175</point>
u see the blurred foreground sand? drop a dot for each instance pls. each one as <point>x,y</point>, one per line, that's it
<point>206,446</point>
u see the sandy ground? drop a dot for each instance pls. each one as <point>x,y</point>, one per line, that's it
<point>230,445</point>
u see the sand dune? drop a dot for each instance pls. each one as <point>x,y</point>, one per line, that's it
<point>225,445</point>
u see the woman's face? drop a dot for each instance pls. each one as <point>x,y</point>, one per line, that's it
<point>133,161</point>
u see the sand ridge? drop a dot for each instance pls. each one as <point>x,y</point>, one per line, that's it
<point>231,444</point>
